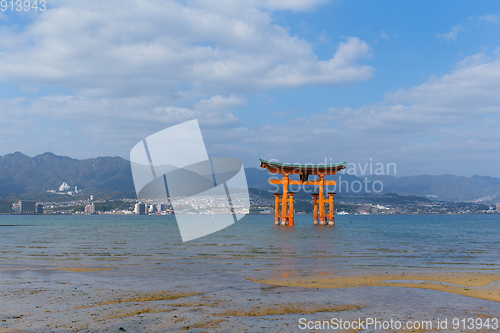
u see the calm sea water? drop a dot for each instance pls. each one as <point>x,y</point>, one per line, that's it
<point>255,244</point>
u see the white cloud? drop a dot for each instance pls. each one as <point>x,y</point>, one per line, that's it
<point>339,69</point>
<point>213,112</point>
<point>450,124</point>
<point>82,127</point>
<point>471,88</point>
<point>130,68</point>
<point>452,35</point>
<point>196,49</point>
<point>490,18</point>
<point>444,125</point>
<point>136,67</point>
<point>496,53</point>
<point>294,5</point>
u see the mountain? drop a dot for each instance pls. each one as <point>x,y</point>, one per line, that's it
<point>24,175</point>
<point>443,187</point>
<point>21,174</point>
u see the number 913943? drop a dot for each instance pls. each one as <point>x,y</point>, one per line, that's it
<point>21,5</point>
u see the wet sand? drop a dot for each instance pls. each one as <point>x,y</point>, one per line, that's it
<point>478,285</point>
<point>100,299</point>
<point>59,300</point>
<point>79,269</point>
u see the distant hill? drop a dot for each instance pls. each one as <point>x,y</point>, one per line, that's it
<point>27,176</point>
<point>444,187</point>
<point>21,174</point>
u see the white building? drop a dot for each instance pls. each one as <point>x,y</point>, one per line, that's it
<point>90,209</point>
<point>140,208</point>
<point>65,189</point>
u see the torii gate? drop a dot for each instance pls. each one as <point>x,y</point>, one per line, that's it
<point>286,213</point>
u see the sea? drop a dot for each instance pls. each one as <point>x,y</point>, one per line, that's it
<point>255,246</point>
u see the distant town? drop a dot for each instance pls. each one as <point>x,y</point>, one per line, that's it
<point>261,202</point>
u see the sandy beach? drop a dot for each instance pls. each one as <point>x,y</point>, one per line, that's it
<point>53,300</point>
<point>71,299</point>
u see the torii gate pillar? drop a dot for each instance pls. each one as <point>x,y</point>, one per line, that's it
<point>315,208</point>
<point>277,208</point>
<point>291,213</point>
<point>331,213</point>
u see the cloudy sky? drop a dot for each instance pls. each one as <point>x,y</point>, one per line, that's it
<point>416,83</point>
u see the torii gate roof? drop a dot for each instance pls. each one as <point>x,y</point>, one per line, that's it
<point>299,169</point>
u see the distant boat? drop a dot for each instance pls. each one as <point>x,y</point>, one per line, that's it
<point>342,213</point>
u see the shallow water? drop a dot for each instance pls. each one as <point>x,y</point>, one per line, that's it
<point>446,242</point>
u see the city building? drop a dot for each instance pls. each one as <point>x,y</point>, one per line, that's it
<point>498,207</point>
<point>151,208</point>
<point>39,209</point>
<point>140,208</point>
<point>27,207</point>
<point>65,189</point>
<point>5,206</point>
<point>90,209</point>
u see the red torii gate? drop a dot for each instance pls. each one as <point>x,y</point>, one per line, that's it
<point>286,213</point>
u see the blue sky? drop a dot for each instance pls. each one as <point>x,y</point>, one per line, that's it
<point>408,82</point>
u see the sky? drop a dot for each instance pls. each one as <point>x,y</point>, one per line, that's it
<point>410,83</point>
